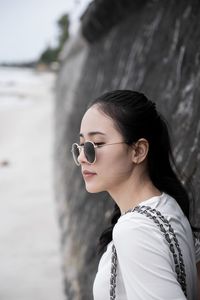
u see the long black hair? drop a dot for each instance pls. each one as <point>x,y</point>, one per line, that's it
<point>136,117</point>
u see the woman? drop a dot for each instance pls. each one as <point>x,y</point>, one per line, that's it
<point>150,248</point>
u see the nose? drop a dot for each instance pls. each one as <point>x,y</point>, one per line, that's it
<point>81,158</point>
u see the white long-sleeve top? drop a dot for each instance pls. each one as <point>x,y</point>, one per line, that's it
<point>145,267</point>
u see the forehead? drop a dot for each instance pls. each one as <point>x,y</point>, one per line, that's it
<point>94,120</point>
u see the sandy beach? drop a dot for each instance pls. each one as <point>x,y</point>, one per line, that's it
<point>30,260</point>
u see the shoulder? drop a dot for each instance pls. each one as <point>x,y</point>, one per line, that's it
<point>131,222</point>
<point>138,232</point>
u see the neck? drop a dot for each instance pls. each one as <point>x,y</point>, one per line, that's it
<point>135,190</point>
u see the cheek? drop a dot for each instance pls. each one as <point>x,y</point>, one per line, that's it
<point>111,170</point>
<point>115,165</point>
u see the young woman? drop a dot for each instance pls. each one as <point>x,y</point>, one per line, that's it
<point>151,252</point>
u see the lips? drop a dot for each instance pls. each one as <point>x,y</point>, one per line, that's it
<point>86,172</point>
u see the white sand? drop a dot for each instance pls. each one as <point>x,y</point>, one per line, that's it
<point>30,263</point>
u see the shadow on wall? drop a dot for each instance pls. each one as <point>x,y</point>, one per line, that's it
<point>150,46</point>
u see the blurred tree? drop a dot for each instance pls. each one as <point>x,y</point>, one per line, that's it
<point>63,24</point>
<point>51,54</point>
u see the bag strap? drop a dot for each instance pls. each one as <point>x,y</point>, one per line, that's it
<point>170,236</point>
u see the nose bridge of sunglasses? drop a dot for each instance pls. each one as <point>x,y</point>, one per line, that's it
<point>82,153</point>
<point>80,148</point>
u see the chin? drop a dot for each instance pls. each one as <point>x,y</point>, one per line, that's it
<point>93,189</point>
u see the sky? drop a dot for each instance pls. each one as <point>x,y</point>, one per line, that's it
<point>27,27</point>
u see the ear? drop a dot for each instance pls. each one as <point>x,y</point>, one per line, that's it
<point>140,151</point>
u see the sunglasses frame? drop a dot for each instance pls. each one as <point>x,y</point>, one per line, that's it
<point>81,147</point>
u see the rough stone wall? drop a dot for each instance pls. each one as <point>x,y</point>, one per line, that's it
<point>153,48</point>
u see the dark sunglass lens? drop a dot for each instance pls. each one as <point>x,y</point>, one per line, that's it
<point>89,152</point>
<point>75,152</point>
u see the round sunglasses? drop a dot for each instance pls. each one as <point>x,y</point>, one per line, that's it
<point>89,151</point>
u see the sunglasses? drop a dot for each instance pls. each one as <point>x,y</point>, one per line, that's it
<point>89,149</point>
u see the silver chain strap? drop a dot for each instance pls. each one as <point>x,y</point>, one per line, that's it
<point>170,236</point>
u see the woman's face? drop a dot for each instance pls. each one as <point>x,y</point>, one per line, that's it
<point>113,165</point>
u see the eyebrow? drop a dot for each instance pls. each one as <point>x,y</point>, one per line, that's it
<point>92,133</point>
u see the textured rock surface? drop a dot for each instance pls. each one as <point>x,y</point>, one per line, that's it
<point>153,48</point>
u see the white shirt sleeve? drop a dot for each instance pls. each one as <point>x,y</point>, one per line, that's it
<point>144,260</point>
